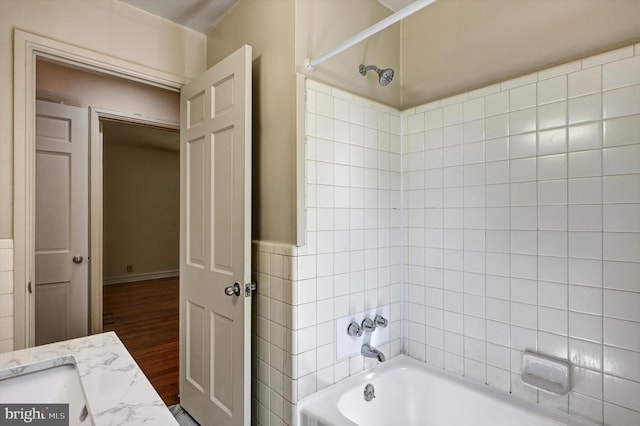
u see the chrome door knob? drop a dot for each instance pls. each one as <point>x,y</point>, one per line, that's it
<point>232,290</point>
<point>77,258</point>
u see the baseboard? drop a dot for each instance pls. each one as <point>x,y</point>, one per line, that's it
<point>131,278</point>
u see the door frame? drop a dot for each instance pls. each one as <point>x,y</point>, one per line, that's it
<point>28,47</point>
<point>96,206</point>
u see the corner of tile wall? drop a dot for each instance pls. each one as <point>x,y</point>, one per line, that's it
<point>6,295</point>
<point>522,230</point>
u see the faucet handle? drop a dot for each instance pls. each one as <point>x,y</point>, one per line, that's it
<point>354,330</point>
<point>368,325</point>
<point>381,321</point>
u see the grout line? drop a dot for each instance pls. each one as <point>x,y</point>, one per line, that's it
<point>602,239</point>
<point>567,226</point>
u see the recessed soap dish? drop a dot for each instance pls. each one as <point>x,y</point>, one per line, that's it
<point>546,373</point>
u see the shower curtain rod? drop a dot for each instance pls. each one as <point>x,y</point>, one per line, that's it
<point>388,21</point>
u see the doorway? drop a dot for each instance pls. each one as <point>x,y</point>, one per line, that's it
<point>135,195</point>
<point>230,79</point>
<point>141,229</point>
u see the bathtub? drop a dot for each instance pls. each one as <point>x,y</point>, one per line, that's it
<point>411,393</point>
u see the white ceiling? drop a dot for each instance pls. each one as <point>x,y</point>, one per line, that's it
<point>395,5</point>
<point>199,15</point>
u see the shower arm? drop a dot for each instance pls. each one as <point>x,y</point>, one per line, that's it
<point>363,70</point>
<point>375,28</point>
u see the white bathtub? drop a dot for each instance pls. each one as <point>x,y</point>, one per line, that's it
<point>410,393</point>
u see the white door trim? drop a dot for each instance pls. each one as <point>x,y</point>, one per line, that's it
<point>95,200</point>
<point>27,48</point>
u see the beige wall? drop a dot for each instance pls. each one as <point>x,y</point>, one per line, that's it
<point>141,210</point>
<point>283,33</point>
<point>268,26</point>
<point>322,25</point>
<point>57,83</point>
<point>453,46</point>
<point>105,26</point>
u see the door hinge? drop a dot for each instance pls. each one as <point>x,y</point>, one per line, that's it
<point>249,288</point>
<point>29,288</point>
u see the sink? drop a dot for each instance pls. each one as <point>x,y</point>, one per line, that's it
<point>46,382</point>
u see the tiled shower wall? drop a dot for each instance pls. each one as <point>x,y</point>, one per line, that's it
<point>350,262</point>
<point>522,215</point>
<point>6,295</point>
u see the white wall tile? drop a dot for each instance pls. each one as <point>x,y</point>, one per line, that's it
<point>621,363</point>
<point>522,97</point>
<point>621,246</point>
<point>497,103</point>
<point>585,327</point>
<point>522,121</point>
<point>552,192</point>
<point>622,334</point>
<point>552,167</point>
<point>585,245</point>
<point>552,115</point>
<point>585,163</point>
<point>552,243</point>
<point>621,160</point>
<point>616,415</point>
<point>585,136</point>
<point>552,90</point>
<point>621,275</point>
<point>552,295</point>
<point>552,141</point>
<point>625,393</point>
<point>621,218</point>
<point>622,131</point>
<point>621,73</point>
<point>621,189</point>
<point>585,190</point>
<point>521,146</point>
<point>584,406</point>
<point>622,305</point>
<point>587,300</point>
<point>620,102</point>
<point>585,82</point>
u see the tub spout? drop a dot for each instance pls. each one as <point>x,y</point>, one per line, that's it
<point>371,352</point>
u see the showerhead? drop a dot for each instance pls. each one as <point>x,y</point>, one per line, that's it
<point>384,76</point>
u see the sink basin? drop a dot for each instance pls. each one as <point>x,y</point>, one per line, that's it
<point>46,382</point>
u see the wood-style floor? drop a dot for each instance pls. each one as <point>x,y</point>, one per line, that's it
<point>144,315</point>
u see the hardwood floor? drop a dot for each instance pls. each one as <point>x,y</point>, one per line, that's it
<point>144,315</point>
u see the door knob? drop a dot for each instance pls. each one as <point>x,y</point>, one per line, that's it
<point>77,258</point>
<point>232,290</point>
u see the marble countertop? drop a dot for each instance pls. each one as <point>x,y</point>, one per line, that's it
<point>116,390</point>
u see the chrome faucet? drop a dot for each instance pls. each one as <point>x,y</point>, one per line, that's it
<point>371,352</point>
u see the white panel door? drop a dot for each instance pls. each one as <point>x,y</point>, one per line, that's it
<point>62,222</point>
<point>215,238</point>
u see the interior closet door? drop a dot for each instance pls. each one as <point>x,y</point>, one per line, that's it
<point>62,222</point>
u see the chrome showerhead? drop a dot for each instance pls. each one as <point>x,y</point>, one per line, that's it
<point>384,76</point>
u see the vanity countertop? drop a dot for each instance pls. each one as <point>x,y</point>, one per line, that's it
<point>116,390</point>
